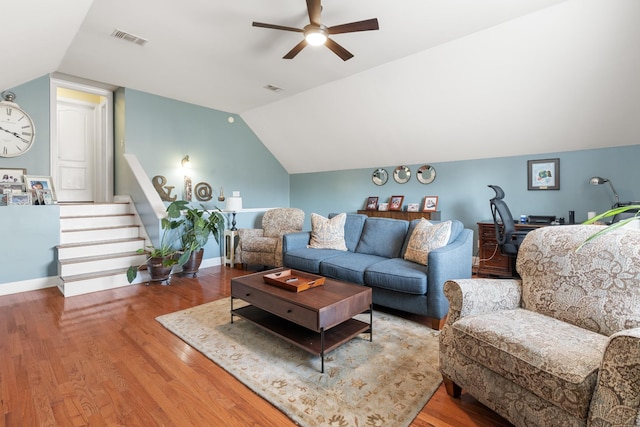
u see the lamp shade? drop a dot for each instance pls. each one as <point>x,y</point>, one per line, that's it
<point>234,203</point>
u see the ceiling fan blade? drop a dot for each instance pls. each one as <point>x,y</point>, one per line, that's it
<point>315,10</point>
<point>276,27</point>
<point>296,50</point>
<point>338,50</point>
<point>352,27</point>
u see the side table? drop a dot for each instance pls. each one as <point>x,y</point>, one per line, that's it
<point>230,245</point>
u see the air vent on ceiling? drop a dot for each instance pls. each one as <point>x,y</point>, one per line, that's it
<point>273,88</point>
<point>119,34</point>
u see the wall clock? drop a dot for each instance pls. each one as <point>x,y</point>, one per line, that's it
<point>17,131</point>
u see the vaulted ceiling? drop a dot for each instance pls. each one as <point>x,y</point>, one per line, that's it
<point>440,80</point>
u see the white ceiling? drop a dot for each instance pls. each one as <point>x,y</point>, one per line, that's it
<point>207,53</point>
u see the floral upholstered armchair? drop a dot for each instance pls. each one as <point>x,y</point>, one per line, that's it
<point>561,345</point>
<point>263,246</point>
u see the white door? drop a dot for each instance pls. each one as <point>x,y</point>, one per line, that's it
<point>81,142</point>
<point>74,174</point>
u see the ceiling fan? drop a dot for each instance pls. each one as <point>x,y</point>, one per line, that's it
<point>316,34</point>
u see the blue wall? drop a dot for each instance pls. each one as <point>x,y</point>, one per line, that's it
<point>462,186</point>
<point>161,131</point>
<point>33,97</point>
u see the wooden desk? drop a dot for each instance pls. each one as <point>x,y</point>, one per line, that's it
<point>407,216</point>
<point>492,262</point>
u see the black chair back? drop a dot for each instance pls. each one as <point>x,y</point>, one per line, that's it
<point>508,238</point>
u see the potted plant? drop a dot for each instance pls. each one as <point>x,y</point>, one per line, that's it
<point>195,226</point>
<point>610,213</point>
<point>162,258</point>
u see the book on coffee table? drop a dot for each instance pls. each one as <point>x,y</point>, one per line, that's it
<point>294,281</point>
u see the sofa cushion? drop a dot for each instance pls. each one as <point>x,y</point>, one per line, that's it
<point>349,266</point>
<point>307,259</point>
<point>553,359</point>
<point>383,237</point>
<point>352,229</point>
<point>398,275</point>
<point>426,237</point>
<point>328,233</point>
<point>456,229</point>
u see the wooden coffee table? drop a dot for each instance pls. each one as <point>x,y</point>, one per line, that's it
<point>317,320</point>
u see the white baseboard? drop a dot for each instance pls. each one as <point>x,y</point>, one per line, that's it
<point>28,285</point>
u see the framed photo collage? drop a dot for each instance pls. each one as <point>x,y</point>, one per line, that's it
<point>17,188</point>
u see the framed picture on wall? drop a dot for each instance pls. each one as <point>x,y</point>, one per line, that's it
<point>32,182</point>
<point>395,204</point>
<point>543,174</point>
<point>372,203</point>
<point>430,204</point>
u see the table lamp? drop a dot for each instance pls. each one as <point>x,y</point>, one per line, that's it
<point>234,204</point>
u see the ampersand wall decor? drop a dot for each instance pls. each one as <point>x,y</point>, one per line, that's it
<point>158,183</point>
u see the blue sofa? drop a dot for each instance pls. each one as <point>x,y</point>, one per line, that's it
<point>374,258</point>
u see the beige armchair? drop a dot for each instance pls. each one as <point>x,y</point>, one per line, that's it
<point>561,345</point>
<point>264,246</point>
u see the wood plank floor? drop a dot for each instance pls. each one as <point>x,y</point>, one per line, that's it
<point>102,360</point>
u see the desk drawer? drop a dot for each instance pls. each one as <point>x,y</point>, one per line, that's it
<point>282,308</point>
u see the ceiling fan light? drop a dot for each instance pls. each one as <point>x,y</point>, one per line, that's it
<point>315,38</point>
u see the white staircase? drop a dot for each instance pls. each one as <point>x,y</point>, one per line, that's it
<point>98,242</point>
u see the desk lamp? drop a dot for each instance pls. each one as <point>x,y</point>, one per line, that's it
<point>596,180</point>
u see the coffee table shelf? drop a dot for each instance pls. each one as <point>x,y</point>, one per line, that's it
<point>300,336</point>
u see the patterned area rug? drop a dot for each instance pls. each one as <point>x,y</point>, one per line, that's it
<point>384,382</point>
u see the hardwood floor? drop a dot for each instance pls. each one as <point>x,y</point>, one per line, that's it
<point>102,360</point>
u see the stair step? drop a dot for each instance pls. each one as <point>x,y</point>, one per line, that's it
<point>85,222</point>
<point>93,209</point>
<point>85,265</point>
<point>104,247</point>
<point>93,282</point>
<point>96,234</point>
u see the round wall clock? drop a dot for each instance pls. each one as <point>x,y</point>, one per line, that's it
<point>17,131</point>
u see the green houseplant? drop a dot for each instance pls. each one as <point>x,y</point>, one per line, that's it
<point>194,228</point>
<point>162,258</point>
<point>611,213</point>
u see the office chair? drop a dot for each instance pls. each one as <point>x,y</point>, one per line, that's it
<point>508,238</point>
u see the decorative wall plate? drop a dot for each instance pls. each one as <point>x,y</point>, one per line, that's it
<point>426,174</point>
<point>402,174</point>
<point>380,176</point>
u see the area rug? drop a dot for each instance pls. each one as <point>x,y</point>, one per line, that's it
<point>384,382</point>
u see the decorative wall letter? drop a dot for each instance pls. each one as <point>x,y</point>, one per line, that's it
<point>158,182</point>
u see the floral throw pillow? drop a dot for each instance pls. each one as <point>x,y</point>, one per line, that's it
<point>328,233</point>
<point>425,238</point>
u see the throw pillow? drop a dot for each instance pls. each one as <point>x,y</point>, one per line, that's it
<point>425,238</point>
<point>328,233</point>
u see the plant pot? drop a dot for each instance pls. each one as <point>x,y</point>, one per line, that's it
<point>193,263</point>
<point>157,270</point>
